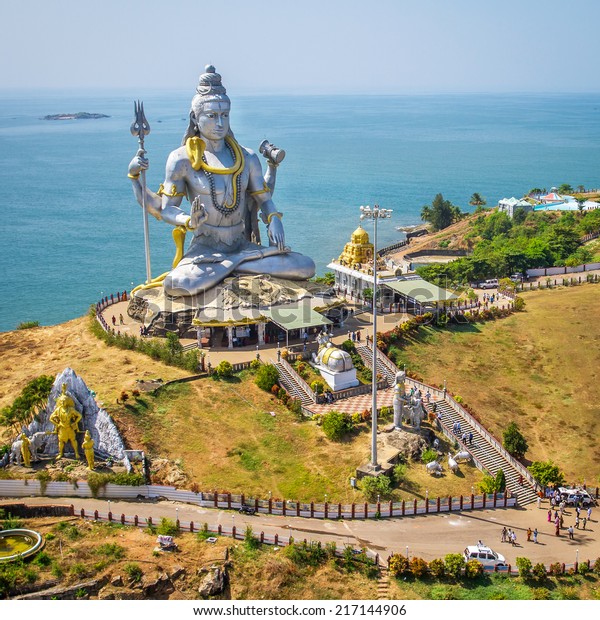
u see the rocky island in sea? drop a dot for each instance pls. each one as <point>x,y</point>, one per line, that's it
<point>71,117</point>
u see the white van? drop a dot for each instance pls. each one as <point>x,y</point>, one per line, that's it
<point>485,555</point>
<point>489,284</point>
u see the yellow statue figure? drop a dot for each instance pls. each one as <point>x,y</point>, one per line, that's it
<point>25,450</point>
<point>88,448</point>
<point>66,421</point>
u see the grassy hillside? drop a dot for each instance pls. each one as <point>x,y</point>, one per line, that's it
<point>538,368</point>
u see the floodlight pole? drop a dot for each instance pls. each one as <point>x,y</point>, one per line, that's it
<point>375,214</point>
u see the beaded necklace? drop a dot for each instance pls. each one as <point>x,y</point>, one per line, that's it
<point>224,208</point>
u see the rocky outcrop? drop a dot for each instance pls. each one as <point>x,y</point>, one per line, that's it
<point>74,117</point>
<point>214,582</point>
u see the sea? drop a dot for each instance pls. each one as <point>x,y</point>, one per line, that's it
<point>71,231</point>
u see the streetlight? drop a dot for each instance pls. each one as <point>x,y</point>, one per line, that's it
<point>374,214</point>
<point>407,552</point>
<point>108,506</point>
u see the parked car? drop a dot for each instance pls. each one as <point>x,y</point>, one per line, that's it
<point>573,496</point>
<point>489,284</point>
<point>485,555</point>
<point>247,510</point>
<point>517,278</point>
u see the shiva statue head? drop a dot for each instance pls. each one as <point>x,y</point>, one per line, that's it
<point>209,113</point>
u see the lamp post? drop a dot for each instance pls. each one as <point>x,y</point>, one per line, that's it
<point>374,214</point>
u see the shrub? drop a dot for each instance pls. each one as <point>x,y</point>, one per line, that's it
<point>437,568</point>
<point>583,568</point>
<point>28,324</point>
<point>597,566</point>
<point>418,567</point>
<point>454,563</point>
<point>127,479</point>
<point>398,565</point>
<point>555,569</point>
<point>267,377</point>
<point>356,419</point>
<point>428,455</point>
<point>111,550</point>
<point>317,387</point>
<point>539,572</point>
<point>519,304</point>
<point>399,473</point>
<point>43,559</point>
<point>167,527</point>
<point>514,441</point>
<point>133,571</point>
<point>224,369</point>
<point>376,486</point>
<point>310,554</point>
<point>473,569</point>
<point>524,565</point>
<point>547,473</point>
<point>336,424</point>
<point>255,364</point>
<point>250,541</point>
<point>541,594</point>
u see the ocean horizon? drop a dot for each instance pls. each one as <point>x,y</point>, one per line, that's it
<point>72,230</point>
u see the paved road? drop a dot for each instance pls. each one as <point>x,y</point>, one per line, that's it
<point>427,536</point>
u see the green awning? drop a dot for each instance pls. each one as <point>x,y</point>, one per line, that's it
<point>295,316</point>
<point>421,291</point>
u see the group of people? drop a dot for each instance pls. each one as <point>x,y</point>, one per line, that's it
<point>558,518</point>
<point>354,336</point>
<point>121,320</point>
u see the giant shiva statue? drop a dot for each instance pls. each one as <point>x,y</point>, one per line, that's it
<point>224,183</point>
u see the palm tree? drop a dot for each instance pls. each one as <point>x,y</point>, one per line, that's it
<point>477,200</point>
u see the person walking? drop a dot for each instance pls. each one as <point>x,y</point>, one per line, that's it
<point>529,533</point>
<point>539,502</point>
<point>570,530</point>
<point>503,535</point>
<point>549,516</point>
<point>577,521</point>
<point>470,438</point>
<point>584,522</point>
<point>535,535</point>
<point>589,513</point>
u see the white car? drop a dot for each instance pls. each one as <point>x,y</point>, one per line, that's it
<point>489,284</point>
<point>572,496</point>
<point>485,555</point>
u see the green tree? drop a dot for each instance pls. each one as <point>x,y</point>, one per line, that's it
<point>266,377</point>
<point>441,213</point>
<point>327,278</point>
<point>376,486</point>
<point>477,200</point>
<point>224,369</point>
<point>454,563</point>
<point>547,473</point>
<point>173,344</point>
<point>336,424</point>
<point>565,188</point>
<point>514,441</point>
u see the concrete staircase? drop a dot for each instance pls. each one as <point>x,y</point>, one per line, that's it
<point>385,367</point>
<point>484,451</point>
<point>294,384</point>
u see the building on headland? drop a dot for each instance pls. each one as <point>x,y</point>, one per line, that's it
<point>353,268</point>
<point>400,290</point>
<point>509,205</point>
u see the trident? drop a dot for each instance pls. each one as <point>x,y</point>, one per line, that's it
<point>141,128</point>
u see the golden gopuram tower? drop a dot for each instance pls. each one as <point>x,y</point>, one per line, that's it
<point>358,251</point>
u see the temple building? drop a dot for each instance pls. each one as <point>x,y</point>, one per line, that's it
<point>353,269</point>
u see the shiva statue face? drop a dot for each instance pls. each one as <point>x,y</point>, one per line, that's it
<point>213,120</point>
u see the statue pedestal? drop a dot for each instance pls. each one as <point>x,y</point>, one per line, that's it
<point>339,380</point>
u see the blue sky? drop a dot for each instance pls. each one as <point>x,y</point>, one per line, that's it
<point>306,46</point>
